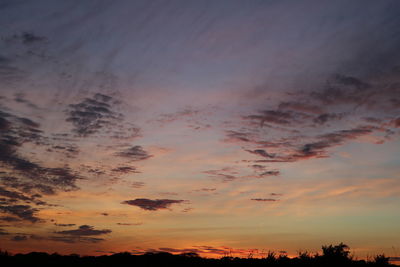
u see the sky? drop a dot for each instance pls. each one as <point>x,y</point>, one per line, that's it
<point>225,128</point>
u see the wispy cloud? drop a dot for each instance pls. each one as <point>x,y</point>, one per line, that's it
<point>153,205</point>
<point>92,114</point>
<point>84,230</point>
<point>265,199</point>
<point>64,224</point>
<point>134,153</point>
<point>129,224</point>
<point>22,212</point>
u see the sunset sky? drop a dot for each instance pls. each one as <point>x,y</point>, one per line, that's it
<point>217,127</point>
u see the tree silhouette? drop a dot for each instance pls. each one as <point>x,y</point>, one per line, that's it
<point>381,260</point>
<point>332,255</point>
<point>338,251</point>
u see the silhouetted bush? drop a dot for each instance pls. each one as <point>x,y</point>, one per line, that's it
<point>381,260</point>
<point>338,255</point>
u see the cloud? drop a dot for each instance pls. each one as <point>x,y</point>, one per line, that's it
<point>307,124</point>
<point>29,123</point>
<point>84,230</point>
<point>262,170</point>
<point>69,239</point>
<point>96,171</point>
<point>379,91</point>
<point>9,73</point>
<point>325,117</point>
<point>19,238</point>
<point>30,176</point>
<point>229,174</point>
<point>252,137</point>
<point>18,130</point>
<point>3,232</point>
<point>274,117</point>
<point>153,205</point>
<point>264,199</point>
<point>125,169</point>
<point>27,38</point>
<point>69,150</point>
<point>23,212</point>
<point>258,167</point>
<point>270,173</point>
<point>91,115</point>
<point>236,136</point>
<point>137,184</point>
<point>396,122</point>
<point>25,174</point>
<point>20,98</point>
<point>205,190</point>
<point>14,195</point>
<point>328,140</point>
<point>316,148</point>
<point>262,153</point>
<point>5,125</point>
<point>300,107</point>
<point>344,89</point>
<point>170,117</point>
<point>4,60</point>
<point>226,174</point>
<point>9,219</point>
<point>64,239</point>
<point>21,49</point>
<point>186,209</point>
<point>64,224</point>
<point>74,239</point>
<point>135,153</point>
<point>129,224</point>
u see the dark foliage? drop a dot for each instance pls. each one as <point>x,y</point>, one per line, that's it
<point>332,256</point>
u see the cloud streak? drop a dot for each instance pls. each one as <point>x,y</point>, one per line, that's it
<point>134,153</point>
<point>92,115</point>
<point>84,230</point>
<point>152,205</point>
<point>22,212</point>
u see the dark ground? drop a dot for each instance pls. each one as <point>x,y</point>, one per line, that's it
<point>338,255</point>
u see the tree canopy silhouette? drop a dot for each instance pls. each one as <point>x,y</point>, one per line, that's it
<point>332,255</point>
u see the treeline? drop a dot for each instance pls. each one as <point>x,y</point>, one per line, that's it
<point>338,255</point>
